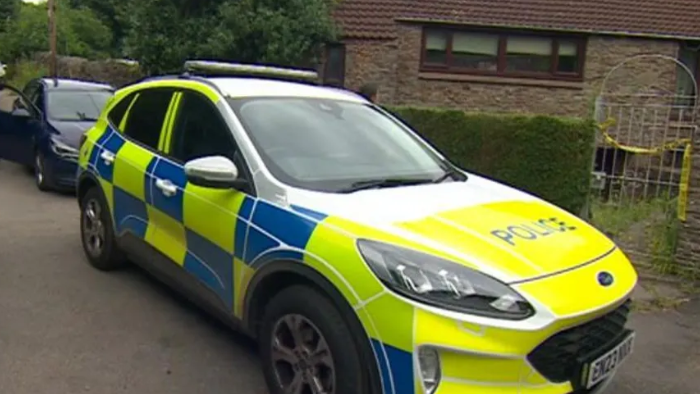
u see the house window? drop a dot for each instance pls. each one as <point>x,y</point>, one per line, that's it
<point>475,51</point>
<point>510,55</point>
<point>334,70</point>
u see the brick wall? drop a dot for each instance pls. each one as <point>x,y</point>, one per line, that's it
<point>688,250</point>
<point>372,61</point>
<point>395,65</point>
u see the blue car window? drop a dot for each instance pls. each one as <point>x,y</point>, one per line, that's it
<point>76,105</point>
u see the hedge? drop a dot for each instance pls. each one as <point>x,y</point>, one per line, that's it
<point>547,156</point>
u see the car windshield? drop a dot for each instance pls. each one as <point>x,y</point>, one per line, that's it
<point>76,105</point>
<point>335,146</point>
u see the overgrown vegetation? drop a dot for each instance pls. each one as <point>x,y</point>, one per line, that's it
<point>161,34</point>
<point>647,230</point>
<point>547,156</point>
<point>24,71</point>
<point>80,33</point>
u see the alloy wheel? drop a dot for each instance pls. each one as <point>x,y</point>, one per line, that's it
<point>93,228</point>
<point>302,360</point>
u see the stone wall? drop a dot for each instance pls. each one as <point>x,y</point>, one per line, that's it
<point>114,72</point>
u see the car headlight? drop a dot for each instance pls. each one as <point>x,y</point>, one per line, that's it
<point>438,282</point>
<point>62,149</point>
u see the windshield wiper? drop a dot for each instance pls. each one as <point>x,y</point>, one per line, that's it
<point>449,173</point>
<point>83,117</point>
<point>382,183</point>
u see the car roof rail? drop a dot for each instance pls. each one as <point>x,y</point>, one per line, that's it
<point>208,68</point>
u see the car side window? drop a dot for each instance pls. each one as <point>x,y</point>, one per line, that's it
<point>30,91</point>
<point>38,98</point>
<point>146,116</point>
<point>200,131</point>
<point>116,114</point>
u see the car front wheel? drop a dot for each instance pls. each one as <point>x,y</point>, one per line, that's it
<point>307,347</point>
<point>97,233</point>
<point>42,182</point>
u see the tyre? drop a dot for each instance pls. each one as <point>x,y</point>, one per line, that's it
<point>43,182</point>
<point>97,233</point>
<point>304,341</point>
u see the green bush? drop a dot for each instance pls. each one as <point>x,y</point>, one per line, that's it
<point>546,156</point>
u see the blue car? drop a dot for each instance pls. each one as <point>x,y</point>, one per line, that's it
<point>41,126</point>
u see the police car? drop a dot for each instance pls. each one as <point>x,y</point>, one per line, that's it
<point>360,258</point>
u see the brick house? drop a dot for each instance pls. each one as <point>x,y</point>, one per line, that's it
<point>537,56</point>
<point>540,56</point>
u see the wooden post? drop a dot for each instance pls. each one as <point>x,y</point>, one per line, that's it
<point>52,39</point>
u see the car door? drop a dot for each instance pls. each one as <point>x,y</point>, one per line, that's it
<point>127,152</point>
<point>20,122</point>
<point>212,234</point>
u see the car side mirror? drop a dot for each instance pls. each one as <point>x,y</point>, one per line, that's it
<point>21,113</point>
<point>216,172</point>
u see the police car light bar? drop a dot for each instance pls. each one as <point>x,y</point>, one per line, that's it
<point>232,69</point>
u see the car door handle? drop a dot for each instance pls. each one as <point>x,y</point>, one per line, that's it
<point>107,156</point>
<point>166,187</point>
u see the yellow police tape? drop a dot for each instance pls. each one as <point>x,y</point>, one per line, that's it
<point>685,170</point>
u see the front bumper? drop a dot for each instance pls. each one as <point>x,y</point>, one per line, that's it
<point>61,171</point>
<point>542,355</point>
<point>553,366</point>
<point>478,359</point>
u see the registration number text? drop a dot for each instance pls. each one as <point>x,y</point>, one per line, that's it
<point>606,364</point>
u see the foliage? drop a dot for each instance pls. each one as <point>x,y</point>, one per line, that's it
<point>161,34</point>
<point>547,156</point>
<point>8,11</point>
<point>161,44</point>
<point>23,71</point>
<point>80,33</point>
<point>646,229</point>
<point>285,33</point>
<point>114,14</point>
<point>262,31</point>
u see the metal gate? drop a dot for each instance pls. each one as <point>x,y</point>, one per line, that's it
<point>642,164</point>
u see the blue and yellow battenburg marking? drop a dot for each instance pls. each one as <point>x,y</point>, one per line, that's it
<point>218,234</point>
<point>205,231</point>
<point>222,237</point>
<point>202,229</point>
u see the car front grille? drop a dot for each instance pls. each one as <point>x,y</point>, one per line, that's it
<point>559,358</point>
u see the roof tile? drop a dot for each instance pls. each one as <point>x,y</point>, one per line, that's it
<point>675,18</point>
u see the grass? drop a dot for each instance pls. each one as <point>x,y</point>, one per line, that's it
<point>647,229</point>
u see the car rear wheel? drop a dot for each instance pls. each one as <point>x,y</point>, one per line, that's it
<point>97,233</point>
<point>307,347</point>
<point>43,183</point>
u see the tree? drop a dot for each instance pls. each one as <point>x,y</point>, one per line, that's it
<point>80,33</point>
<point>115,14</point>
<point>8,11</point>
<point>283,32</point>
<point>286,32</point>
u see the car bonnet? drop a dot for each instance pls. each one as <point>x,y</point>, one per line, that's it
<point>501,231</point>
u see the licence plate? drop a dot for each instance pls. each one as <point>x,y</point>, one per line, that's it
<point>606,364</point>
